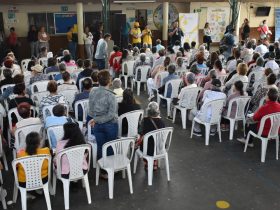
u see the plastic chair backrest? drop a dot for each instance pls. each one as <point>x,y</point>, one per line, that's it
<point>24,64</point>
<point>189,98</point>
<point>69,95</point>
<point>81,83</point>
<point>175,85</point>
<point>43,62</point>
<point>122,148</point>
<point>144,72</point>
<point>57,131</point>
<point>133,119</point>
<point>61,81</point>
<point>162,140</point>
<point>27,77</point>
<point>240,104</point>
<point>40,86</point>
<point>75,156</point>
<point>32,166</point>
<point>274,126</point>
<point>14,112</point>
<point>48,110</point>
<point>21,133</point>
<point>38,96</point>
<point>216,107</point>
<point>4,87</point>
<point>84,105</point>
<point>159,77</point>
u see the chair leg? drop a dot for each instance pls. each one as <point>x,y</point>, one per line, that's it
<point>66,185</point>
<point>167,167</point>
<point>125,82</point>
<point>94,155</point>
<point>23,198</point>
<point>184,117</point>
<point>15,193</point>
<point>87,188</point>
<point>3,200</point>
<point>97,172</point>
<point>158,99</point>
<point>219,132</point>
<point>150,171</point>
<point>277,147</point>
<point>54,183</point>
<point>207,134</point>
<point>111,175</point>
<point>247,141</point>
<point>192,128</point>
<point>231,130</point>
<point>47,196</point>
<point>168,107</point>
<point>129,177</point>
<point>136,157</point>
<point>5,161</point>
<point>123,174</point>
<point>264,147</point>
<point>138,88</point>
<point>174,114</point>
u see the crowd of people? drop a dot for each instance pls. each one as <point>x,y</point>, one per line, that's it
<point>247,68</point>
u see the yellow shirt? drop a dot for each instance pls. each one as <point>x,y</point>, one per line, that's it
<point>69,36</point>
<point>40,151</point>
<point>147,36</point>
<point>136,32</point>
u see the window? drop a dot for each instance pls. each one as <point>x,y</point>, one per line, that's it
<point>42,19</point>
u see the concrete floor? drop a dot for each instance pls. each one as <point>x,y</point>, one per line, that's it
<point>200,176</point>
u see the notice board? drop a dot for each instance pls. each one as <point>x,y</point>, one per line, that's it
<point>63,21</point>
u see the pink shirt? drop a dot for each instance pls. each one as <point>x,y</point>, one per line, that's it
<point>221,73</point>
<point>65,167</point>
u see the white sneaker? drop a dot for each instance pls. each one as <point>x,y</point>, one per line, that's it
<point>243,141</point>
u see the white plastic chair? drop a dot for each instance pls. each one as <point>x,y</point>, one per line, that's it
<point>84,105</point>
<point>4,87</point>
<point>21,133</point>
<point>61,81</point>
<point>129,65</point>
<point>272,134</point>
<point>119,161</point>
<point>55,131</point>
<point>33,169</point>
<point>239,115</point>
<point>43,62</point>
<point>48,110</point>
<point>143,79</point>
<point>40,86</point>
<point>75,156</point>
<point>70,96</point>
<point>2,195</point>
<point>133,119</point>
<point>175,85</point>
<point>38,96</point>
<point>81,83</point>
<point>187,102</point>
<point>24,64</point>
<point>162,140</point>
<point>159,78</point>
<point>3,155</point>
<point>216,107</point>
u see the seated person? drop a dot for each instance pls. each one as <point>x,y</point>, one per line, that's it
<point>33,141</point>
<point>67,83</point>
<point>171,76</point>
<point>208,85</point>
<point>18,79</point>
<point>180,64</point>
<point>80,65</point>
<point>94,78</point>
<point>209,95</point>
<point>141,61</point>
<point>128,104</point>
<point>52,66</point>
<point>62,68</point>
<point>67,59</point>
<point>37,74</point>
<point>86,72</point>
<point>43,52</point>
<point>21,97</point>
<point>219,68</point>
<point>72,137</point>
<point>8,79</point>
<point>152,122</point>
<point>117,87</point>
<point>271,106</point>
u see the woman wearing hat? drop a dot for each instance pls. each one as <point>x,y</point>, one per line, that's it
<point>37,74</point>
<point>136,35</point>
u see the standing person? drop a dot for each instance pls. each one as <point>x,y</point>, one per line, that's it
<point>72,42</point>
<point>12,40</point>
<point>88,37</point>
<point>32,38</point>
<point>125,31</point>
<point>43,38</point>
<point>175,33</point>
<point>136,35</point>
<point>101,53</point>
<point>97,33</point>
<point>147,36</point>
<point>245,30</point>
<point>264,30</point>
<point>207,35</point>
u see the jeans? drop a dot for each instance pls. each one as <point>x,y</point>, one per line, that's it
<point>72,48</point>
<point>104,133</point>
<point>100,64</point>
<point>34,48</point>
<point>89,51</point>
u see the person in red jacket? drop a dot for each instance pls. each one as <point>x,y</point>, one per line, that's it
<point>115,63</point>
<point>271,106</point>
<point>12,40</point>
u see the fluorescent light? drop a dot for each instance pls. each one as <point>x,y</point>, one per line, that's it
<point>134,1</point>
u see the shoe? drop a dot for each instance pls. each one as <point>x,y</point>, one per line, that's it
<point>243,141</point>
<point>151,98</point>
<point>196,133</point>
<point>169,118</point>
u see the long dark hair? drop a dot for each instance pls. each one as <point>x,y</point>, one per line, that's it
<point>73,134</point>
<point>239,87</point>
<point>32,143</point>
<point>128,97</point>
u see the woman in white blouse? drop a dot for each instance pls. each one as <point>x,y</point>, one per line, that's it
<point>88,43</point>
<point>43,38</point>
<point>207,35</point>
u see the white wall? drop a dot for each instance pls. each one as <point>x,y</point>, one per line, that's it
<point>22,24</point>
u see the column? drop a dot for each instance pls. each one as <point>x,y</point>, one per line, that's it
<point>80,21</point>
<point>165,23</point>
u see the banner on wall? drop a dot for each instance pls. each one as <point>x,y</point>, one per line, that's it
<point>277,24</point>
<point>218,19</point>
<point>189,24</point>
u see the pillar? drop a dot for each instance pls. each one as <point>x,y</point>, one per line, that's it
<point>237,25</point>
<point>80,22</point>
<point>165,23</point>
<point>106,15</point>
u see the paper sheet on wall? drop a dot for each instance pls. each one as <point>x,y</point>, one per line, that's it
<point>218,19</point>
<point>189,24</point>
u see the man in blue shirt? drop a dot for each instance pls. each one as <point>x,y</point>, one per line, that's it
<point>101,53</point>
